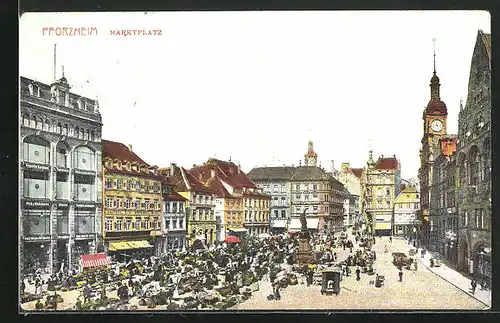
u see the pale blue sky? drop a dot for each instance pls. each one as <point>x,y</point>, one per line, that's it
<point>257,86</point>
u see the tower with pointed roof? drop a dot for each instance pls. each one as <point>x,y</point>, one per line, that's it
<point>434,128</point>
<point>310,158</point>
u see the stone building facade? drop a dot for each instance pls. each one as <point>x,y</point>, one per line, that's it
<point>175,218</point>
<point>60,176</point>
<point>275,181</point>
<point>443,224</point>
<point>132,210</point>
<point>406,206</point>
<point>200,204</point>
<point>473,160</point>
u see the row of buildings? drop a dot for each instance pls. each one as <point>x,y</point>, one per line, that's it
<point>455,173</point>
<point>81,194</point>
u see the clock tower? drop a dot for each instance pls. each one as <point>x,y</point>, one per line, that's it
<point>434,122</point>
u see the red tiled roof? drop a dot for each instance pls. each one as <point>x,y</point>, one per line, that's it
<point>116,150</point>
<point>174,196</point>
<point>227,171</point>
<point>387,163</point>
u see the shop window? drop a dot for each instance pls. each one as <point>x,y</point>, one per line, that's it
<point>36,150</point>
<point>84,221</point>
<point>83,158</point>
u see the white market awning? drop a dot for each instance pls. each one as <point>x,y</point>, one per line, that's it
<point>295,224</point>
<point>278,224</point>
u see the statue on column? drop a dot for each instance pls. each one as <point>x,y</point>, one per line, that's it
<point>304,232</point>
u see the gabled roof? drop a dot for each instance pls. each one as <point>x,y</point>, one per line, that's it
<point>227,171</point>
<point>271,173</point>
<point>174,196</point>
<point>357,172</point>
<point>193,183</point>
<point>117,150</point>
<point>387,163</point>
<point>217,187</point>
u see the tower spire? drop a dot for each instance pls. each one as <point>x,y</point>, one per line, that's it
<point>63,71</point>
<point>434,49</point>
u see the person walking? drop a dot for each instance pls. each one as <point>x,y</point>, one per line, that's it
<point>390,239</point>
<point>276,288</point>
<point>473,285</point>
<point>358,273</point>
<point>400,275</point>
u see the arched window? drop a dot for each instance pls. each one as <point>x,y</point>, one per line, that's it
<point>80,135</point>
<point>30,88</point>
<point>92,135</point>
<point>65,130</point>
<point>83,158</point>
<point>77,132</point>
<point>62,155</point>
<point>59,128</point>
<point>26,120</point>
<point>36,150</point>
<point>46,125</point>
<point>39,124</point>
<point>33,122</point>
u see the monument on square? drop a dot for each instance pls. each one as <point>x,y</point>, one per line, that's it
<point>304,253</point>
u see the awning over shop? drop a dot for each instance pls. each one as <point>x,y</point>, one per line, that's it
<point>126,245</point>
<point>279,224</point>
<point>312,223</point>
<point>295,224</point>
<point>382,226</point>
<point>95,260</point>
<point>238,230</point>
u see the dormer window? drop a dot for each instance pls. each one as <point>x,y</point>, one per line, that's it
<point>30,88</point>
<point>79,103</point>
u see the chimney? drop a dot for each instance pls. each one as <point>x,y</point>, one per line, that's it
<point>212,173</point>
<point>172,169</point>
<point>239,168</point>
<point>332,166</point>
<point>130,147</point>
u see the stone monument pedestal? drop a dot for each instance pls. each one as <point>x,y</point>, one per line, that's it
<point>305,254</point>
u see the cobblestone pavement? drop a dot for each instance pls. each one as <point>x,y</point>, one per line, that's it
<point>457,279</point>
<point>420,289</point>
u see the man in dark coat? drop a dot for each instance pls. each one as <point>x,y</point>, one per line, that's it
<point>358,272</point>
<point>400,275</point>
<point>86,293</point>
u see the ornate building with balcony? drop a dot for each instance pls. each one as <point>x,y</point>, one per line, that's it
<point>241,205</point>
<point>132,199</point>
<point>60,176</point>
<point>473,162</point>
<point>200,205</point>
<point>381,182</point>
<point>275,182</point>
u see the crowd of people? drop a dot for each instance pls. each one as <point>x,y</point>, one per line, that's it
<point>216,277</point>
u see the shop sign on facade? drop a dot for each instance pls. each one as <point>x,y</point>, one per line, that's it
<point>36,238</point>
<point>36,166</point>
<point>85,205</point>
<point>30,203</point>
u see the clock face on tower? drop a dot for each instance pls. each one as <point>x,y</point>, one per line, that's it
<point>436,125</point>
